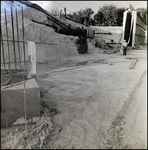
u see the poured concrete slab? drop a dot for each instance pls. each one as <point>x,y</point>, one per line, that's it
<point>12,102</point>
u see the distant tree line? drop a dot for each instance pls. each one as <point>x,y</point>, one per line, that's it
<point>107,15</point>
<point>82,16</point>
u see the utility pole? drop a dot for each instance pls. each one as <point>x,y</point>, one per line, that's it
<point>60,13</point>
<point>65,11</point>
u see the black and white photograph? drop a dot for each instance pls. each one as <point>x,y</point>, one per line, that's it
<point>73,74</point>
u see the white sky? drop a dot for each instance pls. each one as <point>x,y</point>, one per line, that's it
<point>73,6</point>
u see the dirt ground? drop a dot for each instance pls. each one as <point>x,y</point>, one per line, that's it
<point>89,97</point>
<point>88,101</point>
<point>85,94</point>
<point>130,126</point>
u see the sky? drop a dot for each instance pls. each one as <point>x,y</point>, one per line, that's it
<point>73,6</point>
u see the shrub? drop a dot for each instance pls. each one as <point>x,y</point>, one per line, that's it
<point>82,45</point>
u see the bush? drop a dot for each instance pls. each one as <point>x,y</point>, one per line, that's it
<point>97,44</point>
<point>82,45</point>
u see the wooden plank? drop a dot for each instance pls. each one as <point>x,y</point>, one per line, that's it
<point>133,64</point>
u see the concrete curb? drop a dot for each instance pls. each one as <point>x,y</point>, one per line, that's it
<point>61,70</point>
<point>70,68</point>
<point>128,101</point>
<point>133,63</point>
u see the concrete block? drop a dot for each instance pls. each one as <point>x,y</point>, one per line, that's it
<point>12,102</point>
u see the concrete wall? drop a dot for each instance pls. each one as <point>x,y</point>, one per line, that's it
<point>115,33</point>
<point>114,29</point>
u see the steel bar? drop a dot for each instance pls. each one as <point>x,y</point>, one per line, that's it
<point>141,26</point>
<point>13,37</point>
<point>35,42</point>
<point>10,85</point>
<point>3,49</point>
<point>46,43</point>
<point>18,40</point>
<point>14,41</point>
<point>23,37</point>
<point>104,33</point>
<point>7,40</point>
<point>25,104</point>
<point>7,125</point>
<point>140,35</point>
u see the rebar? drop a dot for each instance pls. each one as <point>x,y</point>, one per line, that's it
<point>25,104</point>
<point>35,42</point>
<point>3,49</point>
<point>7,125</point>
<point>7,39</point>
<point>13,37</point>
<point>18,40</point>
<point>23,37</point>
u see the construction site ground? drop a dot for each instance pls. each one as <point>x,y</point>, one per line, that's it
<point>89,91</point>
<point>89,100</point>
<point>94,100</point>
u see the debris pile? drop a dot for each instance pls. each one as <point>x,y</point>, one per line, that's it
<point>34,138</point>
<point>114,136</point>
<point>106,48</point>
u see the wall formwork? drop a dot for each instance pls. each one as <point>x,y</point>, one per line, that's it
<point>137,28</point>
